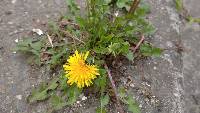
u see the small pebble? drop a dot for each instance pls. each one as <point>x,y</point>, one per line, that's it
<point>19,97</point>
<point>169,44</point>
<point>26,12</point>
<point>132,85</point>
<point>38,31</point>
<point>148,84</point>
<point>152,101</point>
<point>37,20</point>
<point>47,16</point>
<point>13,1</point>
<point>16,40</point>
<point>10,23</point>
<point>84,98</point>
<point>116,13</point>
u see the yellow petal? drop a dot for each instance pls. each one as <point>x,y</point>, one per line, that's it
<point>86,55</point>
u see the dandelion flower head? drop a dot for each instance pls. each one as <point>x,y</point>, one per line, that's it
<point>78,71</point>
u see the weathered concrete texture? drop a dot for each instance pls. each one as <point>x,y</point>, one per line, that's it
<point>17,19</point>
<point>191,60</point>
<point>17,78</point>
<point>190,36</point>
<point>164,74</point>
<point>174,78</point>
<point>192,7</point>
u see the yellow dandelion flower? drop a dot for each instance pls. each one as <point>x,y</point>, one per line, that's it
<point>78,71</point>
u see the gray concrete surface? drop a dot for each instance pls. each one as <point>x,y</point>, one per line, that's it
<point>174,78</point>
<point>193,7</point>
<point>17,19</point>
<point>191,59</point>
<point>164,74</point>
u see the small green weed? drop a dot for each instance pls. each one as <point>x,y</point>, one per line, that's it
<point>184,13</point>
<point>108,29</point>
<point>179,5</point>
